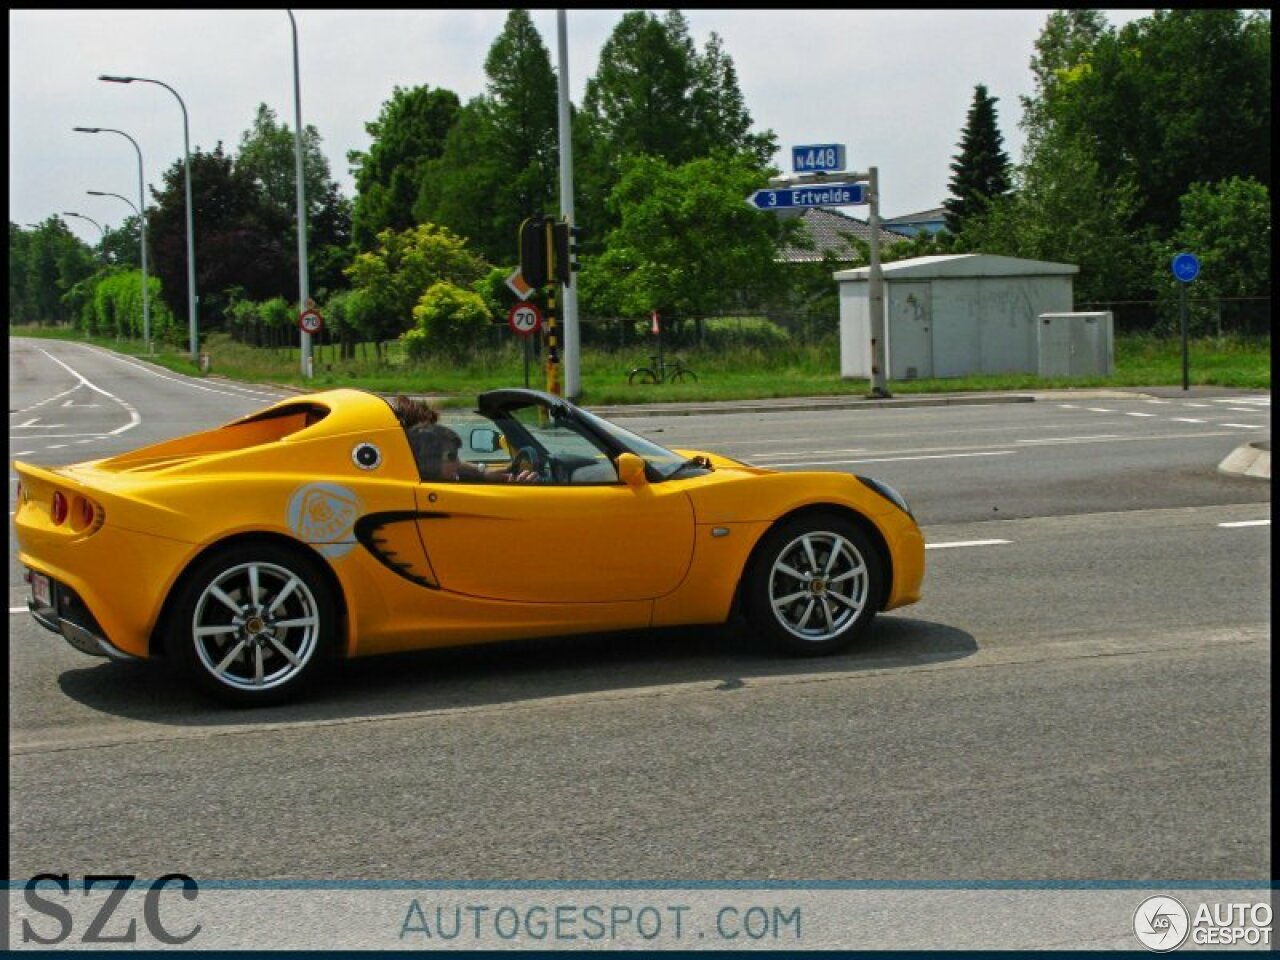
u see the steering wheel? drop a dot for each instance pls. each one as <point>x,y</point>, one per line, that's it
<point>528,458</point>
<point>547,467</point>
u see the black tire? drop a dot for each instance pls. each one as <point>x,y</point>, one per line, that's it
<point>814,585</point>
<point>683,376</point>
<point>641,375</point>
<point>258,653</point>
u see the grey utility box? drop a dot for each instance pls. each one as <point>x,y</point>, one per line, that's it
<point>952,315</point>
<point>1076,344</point>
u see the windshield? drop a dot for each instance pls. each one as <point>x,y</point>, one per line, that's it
<point>664,461</point>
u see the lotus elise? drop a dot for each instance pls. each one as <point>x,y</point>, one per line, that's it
<point>252,553</point>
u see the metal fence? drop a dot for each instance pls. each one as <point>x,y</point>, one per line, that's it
<point>1206,316</point>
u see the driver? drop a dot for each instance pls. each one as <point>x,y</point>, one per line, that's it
<point>435,447</point>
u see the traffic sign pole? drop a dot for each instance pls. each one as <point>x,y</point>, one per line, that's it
<point>875,293</point>
<point>1186,349</point>
<point>1185,268</point>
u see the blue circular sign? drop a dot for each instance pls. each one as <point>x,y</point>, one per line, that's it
<point>1186,267</point>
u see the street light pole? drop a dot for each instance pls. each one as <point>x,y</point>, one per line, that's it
<point>102,193</point>
<point>69,213</point>
<point>191,230</point>
<point>101,246</point>
<point>304,282</point>
<point>142,231</point>
<point>572,338</point>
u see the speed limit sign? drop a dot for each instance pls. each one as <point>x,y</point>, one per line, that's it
<point>524,318</point>
<point>310,321</point>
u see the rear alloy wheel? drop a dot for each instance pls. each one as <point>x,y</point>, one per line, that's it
<point>815,585</point>
<point>252,625</point>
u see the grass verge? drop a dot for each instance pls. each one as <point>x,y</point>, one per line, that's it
<point>734,374</point>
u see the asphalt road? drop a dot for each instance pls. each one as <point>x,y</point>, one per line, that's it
<point>1083,693</point>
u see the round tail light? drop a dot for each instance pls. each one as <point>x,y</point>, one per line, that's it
<point>59,509</point>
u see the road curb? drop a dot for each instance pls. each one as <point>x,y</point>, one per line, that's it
<point>1250,460</point>
<point>800,404</point>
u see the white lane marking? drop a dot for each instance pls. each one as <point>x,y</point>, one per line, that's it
<point>1068,406</point>
<point>35,424</point>
<point>1099,410</point>
<point>1132,414</point>
<point>1192,404</point>
<point>1099,436</point>
<point>134,418</point>
<point>72,403</point>
<point>965,543</point>
<point>22,453</point>
<point>55,446</point>
<point>932,456</point>
<point>1247,523</point>
<point>801,453</point>
<point>1243,426</point>
<point>1259,401</point>
<point>1157,401</point>
<point>17,609</point>
<point>228,389</point>
<point>1243,409</point>
<point>1186,420</point>
<point>56,396</point>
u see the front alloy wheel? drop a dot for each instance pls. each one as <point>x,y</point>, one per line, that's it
<point>251,630</point>
<point>816,585</point>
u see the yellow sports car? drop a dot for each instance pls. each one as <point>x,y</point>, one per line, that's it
<point>252,552</point>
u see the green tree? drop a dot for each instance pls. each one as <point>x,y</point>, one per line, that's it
<point>390,280</point>
<point>980,172</point>
<point>268,158</point>
<point>1227,225</point>
<point>120,245</point>
<point>44,265</point>
<point>1180,97</point>
<point>653,93</point>
<point>409,133</point>
<point>1062,48</point>
<point>1045,219</point>
<point>500,159</point>
<point>686,245</point>
<point>241,240</point>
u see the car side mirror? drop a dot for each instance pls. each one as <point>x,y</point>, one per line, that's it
<point>485,440</point>
<point>631,470</point>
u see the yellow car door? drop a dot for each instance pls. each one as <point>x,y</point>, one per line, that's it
<point>535,543</point>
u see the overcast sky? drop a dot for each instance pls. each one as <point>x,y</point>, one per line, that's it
<point>894,86</point>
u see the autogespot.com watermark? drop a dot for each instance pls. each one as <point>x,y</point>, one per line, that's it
<point>1162,923</point>
<point>564,923</point>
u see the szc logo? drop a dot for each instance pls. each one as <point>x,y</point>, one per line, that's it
<point>1161,923</point>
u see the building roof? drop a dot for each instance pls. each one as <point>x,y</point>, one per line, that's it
<point>962,265</point>
<point>828,230</point>
<point>935,215</point>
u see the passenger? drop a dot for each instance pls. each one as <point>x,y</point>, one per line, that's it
<point>435,448</point>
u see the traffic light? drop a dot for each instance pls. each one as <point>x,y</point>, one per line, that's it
<point>565,251</point>
<point>536,251</point>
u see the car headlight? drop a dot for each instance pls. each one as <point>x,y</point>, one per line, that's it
<point>890,494</point>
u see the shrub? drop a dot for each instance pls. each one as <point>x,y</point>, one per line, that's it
<point>452,321</point>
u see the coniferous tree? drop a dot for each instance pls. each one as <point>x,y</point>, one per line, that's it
<point>980,173</point>
<point>408,135</point>
<point>500,159</point>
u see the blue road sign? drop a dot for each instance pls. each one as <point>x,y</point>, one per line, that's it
<point>817,158</point>
<point>1186,267</point>
<point>817,195</point>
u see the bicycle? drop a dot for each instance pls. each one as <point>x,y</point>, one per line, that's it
<point>662,371</point>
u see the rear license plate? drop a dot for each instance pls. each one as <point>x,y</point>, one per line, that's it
<point>40,591</point>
